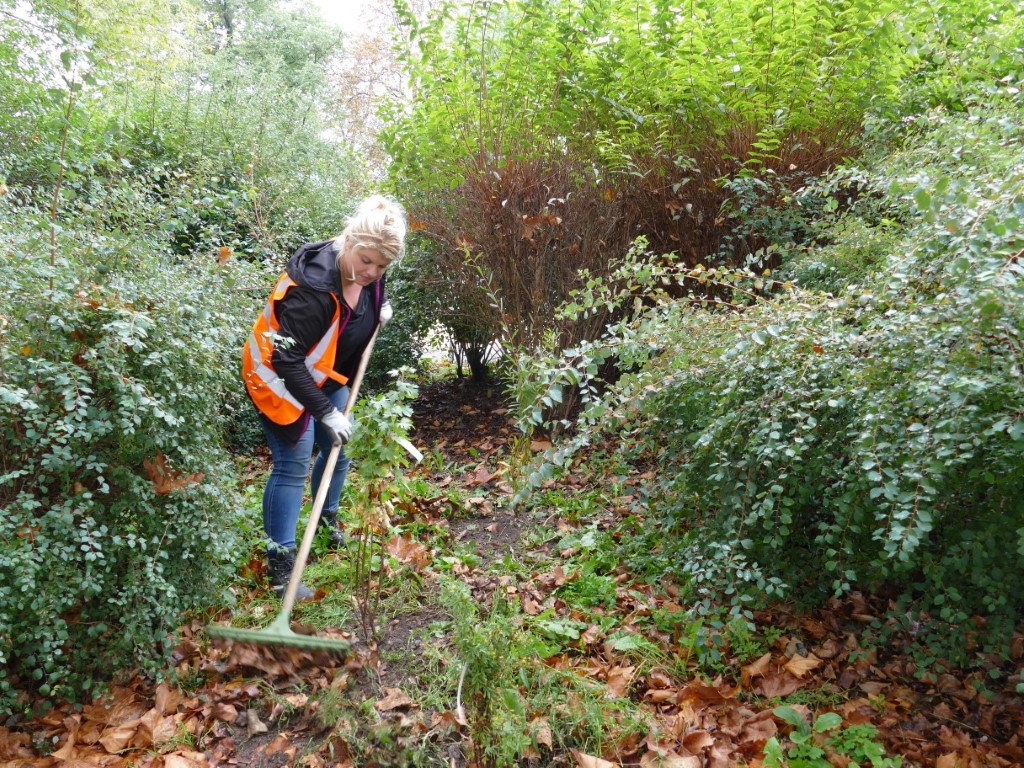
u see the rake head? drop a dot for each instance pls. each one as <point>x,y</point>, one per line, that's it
<point>278,633</point>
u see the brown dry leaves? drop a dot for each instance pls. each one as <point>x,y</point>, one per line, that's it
<point>127,727</point>
<point>137,725</point>
<point>409,552</point>
<point>394,698</point>
<point>165,478</point>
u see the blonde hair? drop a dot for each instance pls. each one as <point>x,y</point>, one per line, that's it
<point>378,224</point>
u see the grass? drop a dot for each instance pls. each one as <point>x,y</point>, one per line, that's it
<point>507,684</point>
<point>821,698</point>
<point>574,507</point>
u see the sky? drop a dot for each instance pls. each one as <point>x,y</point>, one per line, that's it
<point>342,13</point>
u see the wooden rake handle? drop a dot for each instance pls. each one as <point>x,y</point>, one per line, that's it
<point>325,482</point>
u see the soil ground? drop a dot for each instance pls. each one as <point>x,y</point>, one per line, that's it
<point>233,705</point>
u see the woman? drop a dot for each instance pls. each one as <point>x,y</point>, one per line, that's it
<point>298,359</point>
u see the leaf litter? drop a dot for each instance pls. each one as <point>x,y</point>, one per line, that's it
<point>254,705</point>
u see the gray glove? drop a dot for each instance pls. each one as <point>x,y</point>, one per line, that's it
<point>338,426</point>
<point>386,312</point>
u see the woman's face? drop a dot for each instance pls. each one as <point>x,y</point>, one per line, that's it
<point>362,265</point>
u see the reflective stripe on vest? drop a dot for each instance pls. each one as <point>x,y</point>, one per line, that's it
<point>267,389</point>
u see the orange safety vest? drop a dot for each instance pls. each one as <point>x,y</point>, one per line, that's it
<point>267,389</point>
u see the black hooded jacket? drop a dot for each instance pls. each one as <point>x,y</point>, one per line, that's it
<point>305,314</point>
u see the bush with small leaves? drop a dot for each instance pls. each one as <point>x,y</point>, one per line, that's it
<point>117,494</point>
<point>812,443</point>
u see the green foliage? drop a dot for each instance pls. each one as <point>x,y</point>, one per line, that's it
<point>116,490</point>
<point>144,147</point>
<point>222,118</point>
<point>811,743</point>
<point>962,50</point>
<point>525,79</point>
<point>544,136</point>
<point>813,443</point>
<point>379,420</point>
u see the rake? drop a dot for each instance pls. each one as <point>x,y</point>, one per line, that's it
<point>280,631</point>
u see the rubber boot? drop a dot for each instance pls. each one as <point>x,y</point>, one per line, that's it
<point>280,562</point>
<point>329,522</point>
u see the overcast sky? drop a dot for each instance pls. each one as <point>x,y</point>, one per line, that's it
<point>342,13</point>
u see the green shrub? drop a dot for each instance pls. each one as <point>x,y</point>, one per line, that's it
<point>856,252</point>
<point>810,444</point>
<point>118,508</point>
<point>960,48</point>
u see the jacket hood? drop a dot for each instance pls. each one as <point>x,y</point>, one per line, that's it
<point>315,265</point>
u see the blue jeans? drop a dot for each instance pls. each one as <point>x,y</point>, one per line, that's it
<point>282,498</point>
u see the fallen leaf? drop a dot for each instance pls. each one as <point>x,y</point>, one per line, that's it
<point>253,724</point>
<point>778,685</point>
<point>530,606</point>
<point>799,666</point>
<point>704,695</point>
<point>659,679</point>
<point>951,760</point>
<point>697,741</point>
<point>186,760</point>
<point>479,476</point>
<point>873,688</point>
<point>166,479</point>
<point>829,649</point>
<point>282,745</point>
<point>590,636</point>
<point>444,720</point>
<point>118,737</point>
<point>669,760</point>
<point>757,669</point>
<point>393,699</point>
<point>167,699</point>
<point>659,695</point>
<point>954,739</point>
<point>558,574</point>
<point>224,711</point>
<point>154,729</point>
<point>408,552</point>
<point>721,756</point>
<point>758,729</point>
<point>589,761</point>
<point>340,682</point>
<point>68,751</point>
<point>619,679</point>
<point>542,732</point>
